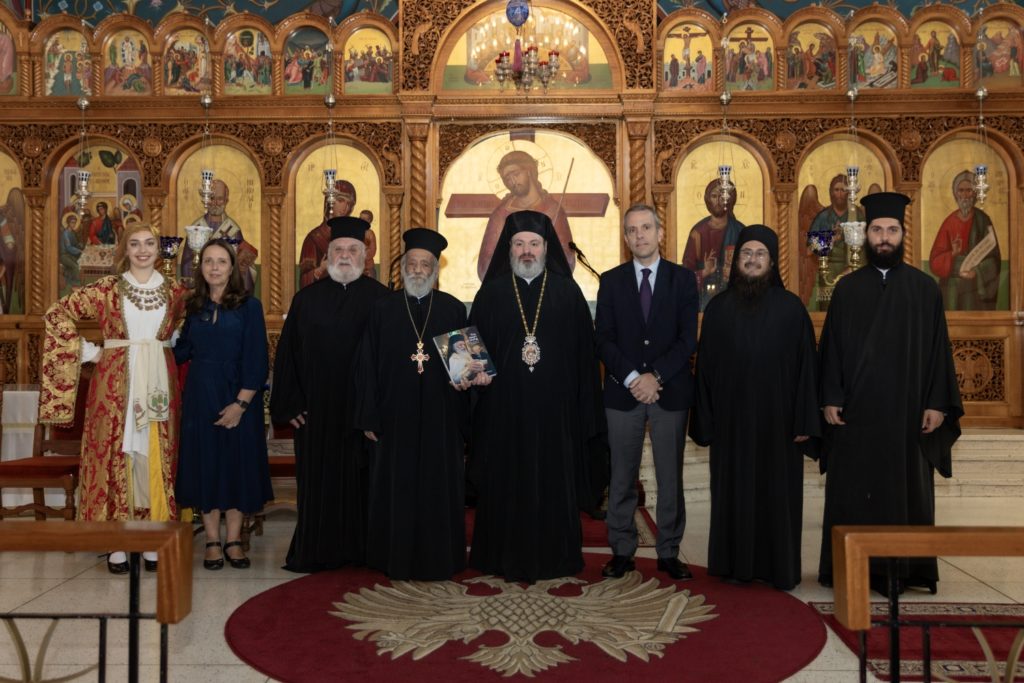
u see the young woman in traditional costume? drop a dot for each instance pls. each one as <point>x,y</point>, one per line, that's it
<point>130,434</point>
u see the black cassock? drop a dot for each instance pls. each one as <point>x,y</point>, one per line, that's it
<point>885,358</point>
<point>416,514</point>
<point>312,374</point>
<point>531,430</point>
<point>756,391</point>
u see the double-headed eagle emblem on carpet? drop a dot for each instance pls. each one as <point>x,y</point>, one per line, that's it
<point>627,616</point>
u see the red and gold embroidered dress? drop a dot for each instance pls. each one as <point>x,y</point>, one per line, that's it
<point>106,477</point>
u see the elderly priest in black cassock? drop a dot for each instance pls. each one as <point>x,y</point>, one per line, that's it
<point>757,407</point>
<point>312,391</point>
<point>532,425</point>
<point>889,394</point>
<point>417,421</point>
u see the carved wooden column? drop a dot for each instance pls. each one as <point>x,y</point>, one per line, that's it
<point>25,62</point>
<point>274,199</point>
<point>638,130</point>
<point>158,73</point>
<point>394,195</point>
<point>156,198</point>
<point>968,77</point>
<point>843,59</point>
<point>783,194</point>
<point>96,86</point>
<point>217,65</point>
<point>914,192</point>
<point>38,79</point>
<point>35,276</point>
<point>662,196</point>
<point>417,134</point>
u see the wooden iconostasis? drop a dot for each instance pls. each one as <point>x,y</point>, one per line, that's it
<point>424,133</point>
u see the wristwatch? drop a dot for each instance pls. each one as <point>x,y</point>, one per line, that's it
<point>657,376</point>
<point>243,404</point>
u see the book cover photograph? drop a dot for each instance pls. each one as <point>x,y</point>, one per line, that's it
<point>464,354</point>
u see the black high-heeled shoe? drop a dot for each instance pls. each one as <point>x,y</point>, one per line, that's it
<point>241,563</point>
<point>117,567</point>
<point>150,565</point>
<point>214,565</point>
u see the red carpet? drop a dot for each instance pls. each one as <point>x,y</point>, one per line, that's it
<point>595,531</point>
<point>956,652</point>
<point>468,631</point>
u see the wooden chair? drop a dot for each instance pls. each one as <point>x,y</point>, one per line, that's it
<point>53,465</point>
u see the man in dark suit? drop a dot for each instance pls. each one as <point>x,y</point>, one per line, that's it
<point>646,333</point>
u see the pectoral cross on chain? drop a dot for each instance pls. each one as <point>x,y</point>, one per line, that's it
<point>419,357</point>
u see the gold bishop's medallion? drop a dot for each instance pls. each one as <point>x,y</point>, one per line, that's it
<point>531,349</point>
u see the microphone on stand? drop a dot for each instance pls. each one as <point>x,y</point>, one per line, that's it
<point>583,259</point>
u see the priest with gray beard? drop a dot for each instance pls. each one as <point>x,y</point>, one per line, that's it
<point>311,381</point>
<point>415,422</point>
<point>533,425</point>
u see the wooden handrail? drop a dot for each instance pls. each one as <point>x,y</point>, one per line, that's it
<point>171,540</point>
<point>853,546</point>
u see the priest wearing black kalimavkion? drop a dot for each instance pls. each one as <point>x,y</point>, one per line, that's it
<point>417,421</point>
<point>889,394</point>
<point>532,426</point>
<point>646,333</point>
<point>312,391</point>
<point>757,408</point>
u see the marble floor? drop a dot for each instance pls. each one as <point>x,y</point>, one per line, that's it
<point>79,582</point>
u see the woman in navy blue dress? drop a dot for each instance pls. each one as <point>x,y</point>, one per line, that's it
<point>222,461</point>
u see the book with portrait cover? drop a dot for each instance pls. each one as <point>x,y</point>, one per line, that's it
<point>464,354</point>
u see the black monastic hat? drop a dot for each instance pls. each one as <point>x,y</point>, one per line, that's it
<point>348,226</point>
<point>425,238</point>
<point>767,237</point>
<point>885,205</point>
<point>527,221</point>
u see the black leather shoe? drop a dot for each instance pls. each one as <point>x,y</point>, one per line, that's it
<point>825,580</point>
<point>618,566</point>
<point>214,565</point>
<point>117,567</point>
<point>674,568</point>
<point>149,564</point>
<point>241,563</point>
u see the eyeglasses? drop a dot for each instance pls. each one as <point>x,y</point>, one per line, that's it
<point>747,254</point>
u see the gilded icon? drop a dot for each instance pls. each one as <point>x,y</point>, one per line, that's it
<point>358,189</point>
<point>552,35</point>
<point>88,238</point>
<point>187,63</point>
<point>998,55</point>
<point>67,64</point>
<point>307,62</point>
<point>127,68</point>
<point>233,211</point>
<point>874,56</point>
<point>965,242</point>
<point>248,63</point>
<point>748,58</point>
<point>811,57</point>
<point>708,221</point>
<point>12,237</point>
<point>935,56</point>
<point>369,63</point>
<point>688,59</point>
<point>824,205</point>
<point>8,62</point>
<point>527,170</point>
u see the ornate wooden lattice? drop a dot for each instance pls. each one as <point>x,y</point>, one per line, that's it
<point>980,370</point>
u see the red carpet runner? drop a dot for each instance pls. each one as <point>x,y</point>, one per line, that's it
<point>956,652</point>
<point>478,629</point>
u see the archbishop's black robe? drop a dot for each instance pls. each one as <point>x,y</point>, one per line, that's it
<point>885,358</point>
<point>312,375</point>
<point>531,430</point>
<point>756,390</point>
<point>416,514</point>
